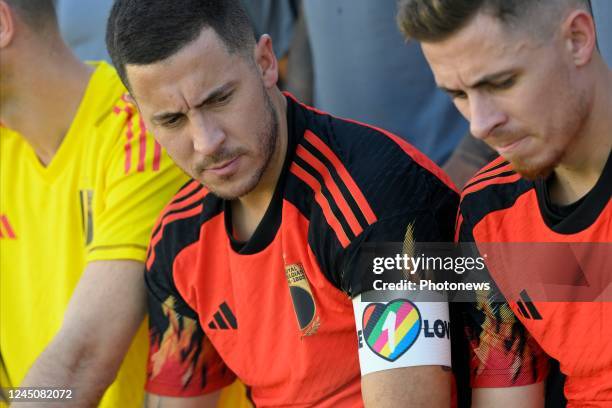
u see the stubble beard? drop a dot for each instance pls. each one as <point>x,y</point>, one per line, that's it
<point>268,138</point>
<point>571,129</point>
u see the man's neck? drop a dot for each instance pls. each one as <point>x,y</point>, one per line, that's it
<point>248,211</point>
<point>44,98</point>
<point>582,167</point>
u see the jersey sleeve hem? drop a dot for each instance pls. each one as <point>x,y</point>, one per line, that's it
<point>504,378</point>
<point>105,253</point>
<point>169,389</point>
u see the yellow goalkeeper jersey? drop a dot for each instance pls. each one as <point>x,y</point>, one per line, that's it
<point>96,200</point>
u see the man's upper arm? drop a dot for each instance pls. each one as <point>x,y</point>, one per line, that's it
<point>110,296</point>
<point>527,396</point>
<point>400,359</point>
<point>424,386</point>
<point>108,303</point>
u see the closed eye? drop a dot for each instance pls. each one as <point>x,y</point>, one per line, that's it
<point>456,94</point>
<point>508,83</point>
<point>221,100</point>
<point>172,121</point>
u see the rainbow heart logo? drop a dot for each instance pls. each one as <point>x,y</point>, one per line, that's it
<point>391,329</point>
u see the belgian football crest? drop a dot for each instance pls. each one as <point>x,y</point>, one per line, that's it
<point>303,301</point>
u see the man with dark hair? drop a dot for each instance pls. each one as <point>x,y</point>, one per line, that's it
<point>259,252</point>
<point>81,182</point>
<point>528,77</point>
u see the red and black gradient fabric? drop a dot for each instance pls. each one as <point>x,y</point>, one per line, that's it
<point>515,342</point>
<point>277,309</point>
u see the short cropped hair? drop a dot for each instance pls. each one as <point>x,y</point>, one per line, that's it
<point>436,20</point>
<point>35,13</point>
<point>143,32</point>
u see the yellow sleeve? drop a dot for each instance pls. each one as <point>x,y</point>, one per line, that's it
<point>139,179</point>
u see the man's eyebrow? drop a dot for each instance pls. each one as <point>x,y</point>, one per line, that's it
<point>484,81</point>
<point>488,79</point>
<point>208,99</point>
<point>216,93</point>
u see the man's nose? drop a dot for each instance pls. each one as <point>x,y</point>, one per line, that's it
<point>207,135</point>
<point>485,116</point>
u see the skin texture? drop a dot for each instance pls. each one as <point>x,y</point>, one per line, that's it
<point>426,386</point>
<point>532,98</point>
<point>201,133</point>
<point>528,396</point>
<point>204,401</point>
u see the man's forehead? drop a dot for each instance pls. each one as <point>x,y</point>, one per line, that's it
<point>480,49</point>
<point>197,68</point>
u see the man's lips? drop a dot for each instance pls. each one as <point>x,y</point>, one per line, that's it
<point>508,147</point>
<point>226,168</point>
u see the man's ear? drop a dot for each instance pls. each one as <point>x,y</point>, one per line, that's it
<point>7,24</point>
<point>266,61</point>
<point>578,31</point>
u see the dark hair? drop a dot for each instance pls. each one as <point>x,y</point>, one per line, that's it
<point>435,20</point>
<point>35,13</point>
<point>146,31</point>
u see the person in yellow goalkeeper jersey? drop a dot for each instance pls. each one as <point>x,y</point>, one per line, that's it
<point>82,183</point>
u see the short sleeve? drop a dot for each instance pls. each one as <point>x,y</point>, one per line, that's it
<point>139,179</point>
<point>182,361</point>
<point>400,333</point>
<point>502,353</point>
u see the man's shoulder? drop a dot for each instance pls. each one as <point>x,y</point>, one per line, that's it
<point>106,105</point>
<point>367,163</point>
<point>495,187</point>
<point>180,222</point>
<point>10,141</point>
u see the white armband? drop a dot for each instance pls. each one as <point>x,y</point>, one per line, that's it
<point>401,333</point>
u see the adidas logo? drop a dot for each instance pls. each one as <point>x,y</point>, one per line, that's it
<point>223,319</point>
<point>528,309</point>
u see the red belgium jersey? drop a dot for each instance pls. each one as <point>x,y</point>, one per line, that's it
<point>512,342</point>
<point>276,311</point>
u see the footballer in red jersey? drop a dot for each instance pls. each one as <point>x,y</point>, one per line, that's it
<point>252,269</point>
<point>513,342</point>
<point>528,77</point>
<point>277,307</point>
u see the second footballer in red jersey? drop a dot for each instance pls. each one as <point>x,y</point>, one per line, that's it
<point>252,269</point>
<point>528,77</point>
